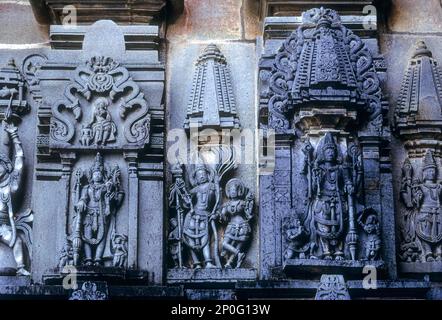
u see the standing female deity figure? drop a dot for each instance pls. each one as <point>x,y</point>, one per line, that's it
<point>238,211</point>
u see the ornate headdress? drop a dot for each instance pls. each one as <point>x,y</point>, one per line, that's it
<point>102,100</point>
<point>98,164</point>
<point>429,161</point>
<point>239,185</point>
<point>200,165</point>
<point>329,142</point>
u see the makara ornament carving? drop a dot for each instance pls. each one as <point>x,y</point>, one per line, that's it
<point>101,81</point>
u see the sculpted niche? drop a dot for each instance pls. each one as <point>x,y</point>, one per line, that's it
<point>97,197</point>
<point>107,89</point>
<point>199,212</point>
<point>321,94</point>
<point>417,124</point>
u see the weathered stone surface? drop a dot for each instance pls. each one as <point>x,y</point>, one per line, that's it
<point>88,12</point>
<point>208,20</point>
<point>161,40</point>
<point>301,267</point>
<point>210,275</point>
<point>417,267</point>
<point>20,26</point>
<point>408,16</point>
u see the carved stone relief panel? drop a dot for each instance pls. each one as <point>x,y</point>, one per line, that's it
<point>101,134</point>
<point>97,197</point>
<point>212,224</point>
<point>321,63</point>
<point>199,212</point>
<point>417,121</point>
<point>109,92</point>
<point>321,93</point>
<point>16,218</point>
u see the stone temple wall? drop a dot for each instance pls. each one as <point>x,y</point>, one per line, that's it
<point>105,183</point>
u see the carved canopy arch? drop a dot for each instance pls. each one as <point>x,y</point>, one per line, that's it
<point>102,77</point>
<point>324,63</point>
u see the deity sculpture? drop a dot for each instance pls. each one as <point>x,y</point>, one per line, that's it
<point>66,255</point>
<point>96,204</point>
<point>119,245</point>
<point>331,195</point>
<point>196,227</point>
<point>423,196</point>
<point>197,212</point>
<point>11,175</point>
<point>369,221</point>
<point>238,212</point>
<point>101,129</point>
<point>297,238</point>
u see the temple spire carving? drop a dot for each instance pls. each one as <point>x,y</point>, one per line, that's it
<point>419,109</point>
<point>212,102</point>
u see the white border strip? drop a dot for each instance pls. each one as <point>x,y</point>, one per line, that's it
<point>10,46</point>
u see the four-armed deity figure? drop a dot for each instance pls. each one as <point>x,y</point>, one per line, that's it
<point>330,193</point>
<point>10,185</point>
<point>238,211</point>
<point>424,196</point>
<point>101,129</point>
<point>94,223</point>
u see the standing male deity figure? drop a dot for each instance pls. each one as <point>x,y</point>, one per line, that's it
<point>94,223</point>
<point>424,197</point>
<point>204,204</point>
<point>330,198</point>
<point>11,174</point>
